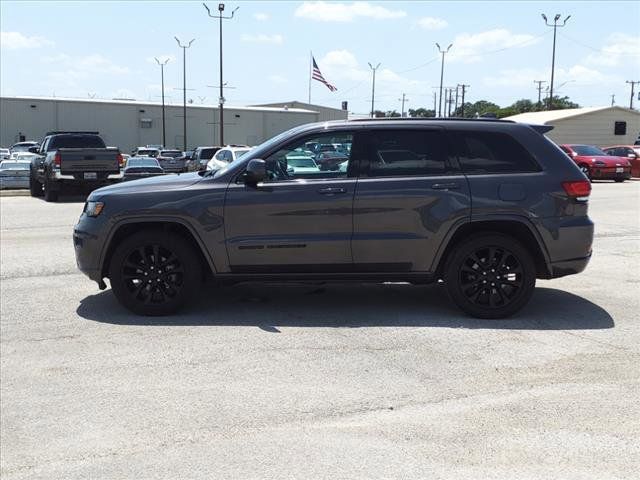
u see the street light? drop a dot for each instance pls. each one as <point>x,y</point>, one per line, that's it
<point>221,98</point>
<point>164,132</point>
<point>553,57</point>
<point>184,89</point>
<point>442,76</point>
<point>373,87</point>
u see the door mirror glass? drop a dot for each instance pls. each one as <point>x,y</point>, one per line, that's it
<point>256,171</point>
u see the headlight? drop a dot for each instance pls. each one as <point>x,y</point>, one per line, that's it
<point>93,209</point>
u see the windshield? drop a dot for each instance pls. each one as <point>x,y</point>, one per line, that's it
<point>142,162</point>
<point>22,147</point>
<point>587,150</point>
<point>149,153</point>
<point>208,153</point>
<point>14,165</point>
<point>301,163</point>
<point>262,148</point>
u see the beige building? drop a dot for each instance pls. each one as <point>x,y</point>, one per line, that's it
<point>324,113</point>
<point>128,124</point>
<point>599,126</point>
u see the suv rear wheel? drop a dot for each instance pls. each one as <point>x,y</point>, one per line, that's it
<point>154,273</point>
<point>35,187</point>
<point>490,276</point>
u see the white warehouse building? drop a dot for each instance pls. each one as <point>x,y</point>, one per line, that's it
<point>600,126</point>
<point>128,124</point>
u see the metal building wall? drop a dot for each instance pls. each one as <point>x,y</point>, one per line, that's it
<point>121,122</point>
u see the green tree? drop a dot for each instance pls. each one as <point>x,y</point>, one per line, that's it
<point>421,113</point>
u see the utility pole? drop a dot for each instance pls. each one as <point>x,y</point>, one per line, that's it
<point>455,108</point>
<point>443,52</point>
<point>450,102</point>
<point>553,57</point>
<point>164,131</point>
<point>373,88</point>
<point>464,88</point>
<point>613,99</point>
<point>435,104</point>
<point>221,99</point>
<point>403,99</point>
<point>633,84</point>
<point>539,88</point>
<point>184,89</point>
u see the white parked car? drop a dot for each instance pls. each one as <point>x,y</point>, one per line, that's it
<point>4,153</point>
<point>226,155</point>
<point>14,174</point>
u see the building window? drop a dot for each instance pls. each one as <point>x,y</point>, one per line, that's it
<point>620,128</point>
<point>146,123</point>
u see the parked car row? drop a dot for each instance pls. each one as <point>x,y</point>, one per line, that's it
<point>601,164</point>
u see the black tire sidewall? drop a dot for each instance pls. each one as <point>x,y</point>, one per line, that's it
<point>176,244</point>
<point>50,195</point>
<point>460,253</point>
<point>35,187</point>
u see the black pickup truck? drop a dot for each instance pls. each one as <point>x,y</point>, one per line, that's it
<point>66,160</point>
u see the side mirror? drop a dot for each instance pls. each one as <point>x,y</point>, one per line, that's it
<point>632,156</point>
<point>256,171</point>
<point>34,149</point>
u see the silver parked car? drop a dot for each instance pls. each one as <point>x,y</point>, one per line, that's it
<point>14,174</point>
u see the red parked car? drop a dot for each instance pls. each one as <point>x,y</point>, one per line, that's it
<point>631,152</point>
<point>597,165</point>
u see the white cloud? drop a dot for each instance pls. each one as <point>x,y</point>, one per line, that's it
<point>470,47</point>
<point>432,23</point>
<point>123,93</point>
<point>619,49</point>
<point>17,41</point>
<point>70,71</point>
<point>574,76</point>
<point>162,58</point>
<point>261,17</point>
<point>345,12</point>
<point>275,39</point>
<point>278,79</point>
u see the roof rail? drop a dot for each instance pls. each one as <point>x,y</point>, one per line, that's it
<point>72,133</point>
<point>431,119</point>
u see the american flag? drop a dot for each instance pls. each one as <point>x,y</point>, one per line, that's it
<point>318,76</point>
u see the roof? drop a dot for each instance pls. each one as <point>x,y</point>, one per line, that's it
<point>154,104</point>
<point>553,115</point>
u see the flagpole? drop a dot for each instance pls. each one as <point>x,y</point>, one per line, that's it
<point>310,73</point>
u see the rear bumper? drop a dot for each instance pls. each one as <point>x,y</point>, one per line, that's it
<point>14,182</point>
<point>114,177</point>
<point>569,267</point>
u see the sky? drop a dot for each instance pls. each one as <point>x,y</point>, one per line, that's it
<point>107,49</point>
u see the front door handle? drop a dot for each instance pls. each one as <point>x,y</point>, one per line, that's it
<point>332,190</point>
<point>445,186</point>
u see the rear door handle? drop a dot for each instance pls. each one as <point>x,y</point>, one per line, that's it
<point>332,190</point>
<point>445,186</point>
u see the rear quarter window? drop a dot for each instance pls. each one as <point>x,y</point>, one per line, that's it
<point>493,152</point>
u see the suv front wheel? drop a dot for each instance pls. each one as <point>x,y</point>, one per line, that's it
<point>490,276</point>
<point>154,272</point>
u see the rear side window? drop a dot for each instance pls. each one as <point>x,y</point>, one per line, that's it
<point>493,152</point>
<point>407,153</point>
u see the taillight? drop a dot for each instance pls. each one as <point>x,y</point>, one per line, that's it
<point>120,159</point>
<point>57,160</point>
<point>579,190</point>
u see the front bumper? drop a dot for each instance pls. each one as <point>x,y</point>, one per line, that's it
<point>609,173</point>
<point>88,243</point>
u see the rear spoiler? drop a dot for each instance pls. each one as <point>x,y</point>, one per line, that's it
<point>541,129</point>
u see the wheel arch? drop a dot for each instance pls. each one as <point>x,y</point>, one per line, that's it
<point>126,228</point>
<point>518,228</point>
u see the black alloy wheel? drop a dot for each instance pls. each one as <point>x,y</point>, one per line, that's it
<point>490,275</point>
<point>154,272</point>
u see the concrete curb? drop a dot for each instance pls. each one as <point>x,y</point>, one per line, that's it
<point>14,193</point>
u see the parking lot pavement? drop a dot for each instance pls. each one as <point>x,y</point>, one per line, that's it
<point>308,381</point>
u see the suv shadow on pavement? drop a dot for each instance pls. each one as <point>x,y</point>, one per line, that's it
<point>350,306</point>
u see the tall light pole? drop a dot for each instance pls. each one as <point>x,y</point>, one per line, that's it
<point>221,97</point>
<point>164,131</point>
<point>403,100</point>
<point>442,75</point>
<point>555,26</point>
<point>184,89</point>
<point>539,88</point>
<point>373,87</point>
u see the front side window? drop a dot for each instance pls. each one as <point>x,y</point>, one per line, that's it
<point>407,153</point>
<point>493,152</point>
<point>307,159</point>
<point>587,150</point>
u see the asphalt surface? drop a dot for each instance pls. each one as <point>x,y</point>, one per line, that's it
<point>342,381</point>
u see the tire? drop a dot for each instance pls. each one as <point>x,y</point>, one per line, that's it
<point>135,265</point>
<point>50,195</point>
<point>35,187</point>
<point>619,180</point>
<point>483,261</point>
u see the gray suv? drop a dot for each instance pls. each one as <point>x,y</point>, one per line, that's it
<point>486,206</point>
